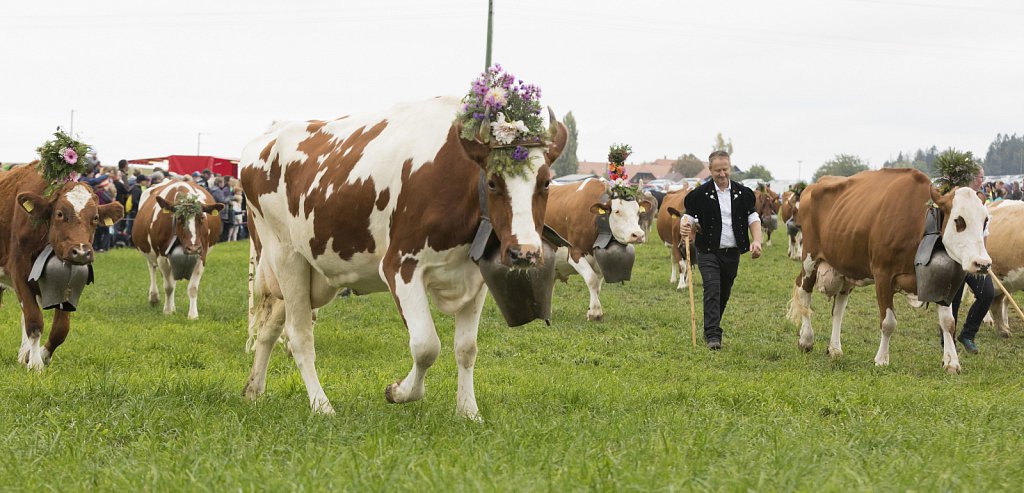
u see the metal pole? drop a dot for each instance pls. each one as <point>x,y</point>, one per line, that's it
<point>198,136</point>
<point>490,30</point>
<point>71,129</point>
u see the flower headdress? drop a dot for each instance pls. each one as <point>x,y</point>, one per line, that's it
<point>956,169</point>
<point>187,206</point>
<point>621,189</point>
<point>61,160</point>
<point>503,112</point>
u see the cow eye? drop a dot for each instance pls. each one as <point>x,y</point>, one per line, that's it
<point>96,219</point>
<point>547,184</point>
<point>59,215</point>
<point>961,225</point>
<point>492,186</point>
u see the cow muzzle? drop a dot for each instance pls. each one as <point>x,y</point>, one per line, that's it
<point>524,255</point>
<point>192,249</point>
<point>80,254</point>
<point>638,237</point>
<point>980,266</point>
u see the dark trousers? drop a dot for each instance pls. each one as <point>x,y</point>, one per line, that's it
<point>718,270</point>
<point>983,291</point>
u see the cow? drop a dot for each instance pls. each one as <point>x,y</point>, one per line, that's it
<point>31,219</point>
<point>669,215</point>
<point>1004,243</point>
<point>649,215</point>
<point>766,203</point>
<point>158,228</point>
<point>571,212</point>
<point>790,205</point>
<point>866,229</point>
<point>383,202</point>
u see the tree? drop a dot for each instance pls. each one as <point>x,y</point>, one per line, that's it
<point>841,165</point>
<point>722,145</point>
<point>1005,155</point>
<point>688,165</point>
<point>568,163</point>
<point>759,172</point>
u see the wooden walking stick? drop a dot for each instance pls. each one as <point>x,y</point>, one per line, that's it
<point>1007,293</point>
<point>689,285</point>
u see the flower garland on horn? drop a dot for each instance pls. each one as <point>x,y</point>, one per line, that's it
<point>956,169</point>
<point>503,112</point>
<point>61,160</point>
<point>187,206</point>
<point>620,187</point>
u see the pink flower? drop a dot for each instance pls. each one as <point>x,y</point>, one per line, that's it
<point>70,156</point>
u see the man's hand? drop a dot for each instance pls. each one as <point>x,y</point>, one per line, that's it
<point>684,227</point>
<point>755,249</point>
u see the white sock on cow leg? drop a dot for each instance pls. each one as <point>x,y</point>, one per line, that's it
<point>270,317</point>
<point>154,295</point>
<point>887,327</point>
<point>675,269</point>
<point>165,270</point>
<point>950,360</point>
<point>683,272</point>
<point>424,345</point>
<point>193,291</point>
<point>835,344</point>
<point>467,322</point>
<point>593,281</point>
<point>803,298</point>
<point>26,344</point>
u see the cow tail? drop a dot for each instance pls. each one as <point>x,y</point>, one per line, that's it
<point>250,342</point>
<point>796,309</point>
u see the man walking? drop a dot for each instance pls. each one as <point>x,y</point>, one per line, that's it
<point>721,210</point>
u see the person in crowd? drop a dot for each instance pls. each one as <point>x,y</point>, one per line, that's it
<point>721,211</point>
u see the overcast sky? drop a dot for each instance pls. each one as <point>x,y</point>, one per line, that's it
<point>789,81</point>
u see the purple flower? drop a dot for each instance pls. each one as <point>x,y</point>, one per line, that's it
<point>70,156</point>
<point>520,153</point>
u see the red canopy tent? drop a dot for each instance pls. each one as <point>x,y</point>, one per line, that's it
<point>185,165</point>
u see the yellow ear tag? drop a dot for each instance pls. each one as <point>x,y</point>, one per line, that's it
<point>165,211</point>
<point>108,221</point>
<point>215,213</point>
<point>28,205</point>
<point>675,216</point>
<point>643,209</point>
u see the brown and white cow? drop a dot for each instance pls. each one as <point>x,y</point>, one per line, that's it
<point>790,205</point>
<point>157,228</point>
<point>571,212</point>
<point>1005,245</point>
<point>866,229</point>
<point>29,221</point>
<point>669,215</point>
<point>649,215</point>
<point>766,203</point>
<point>382,202</point>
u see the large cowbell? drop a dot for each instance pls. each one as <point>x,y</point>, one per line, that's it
<point>59,284</point>
<point>182,264</point>
<point>938,275</point>
<point>522,295</point>
<point>614,258</point>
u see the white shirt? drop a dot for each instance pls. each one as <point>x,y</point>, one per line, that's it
<point>728,239</point>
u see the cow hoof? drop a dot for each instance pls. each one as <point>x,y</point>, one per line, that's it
<point>251,392</point>
<point>881,363</point>
<point>1005,334</point>
<point>23,356</point>
<point>595,317</point>
<point>322,407</point>
<point>805,347</point>
<point>389,392</point>
<point>193,316</point>
<point>47,356</point>
<point>153,300</point>
<point>36,364</point>
<point>834,353</point>
<point>471,416</point>
<point>952,369</point>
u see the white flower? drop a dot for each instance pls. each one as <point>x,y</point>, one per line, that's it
<point>496,97</point>
<point>505,132</point>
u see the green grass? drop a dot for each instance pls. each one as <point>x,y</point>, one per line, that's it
<point>139,401</point>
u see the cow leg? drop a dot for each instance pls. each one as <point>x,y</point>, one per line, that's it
<point>800,304</point>
<point>467,322</point>
<point>165,270</point>
<point>411,298</point>
<point>193,290</point>
<point>154,295</point>
<point>887,320</point>
<point>58,333</point>
<point>26,344</point>
<point>673,261</point>
<point>593,280</point>
<point>835,344</point>
<point>32,320</point>
<point>293,273</point>
<point>268,319</point>
<point>950,360</point>
<point>998,312</point>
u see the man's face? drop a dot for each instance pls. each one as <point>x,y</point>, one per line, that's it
<point>721,168</point>
<point>976,184</point>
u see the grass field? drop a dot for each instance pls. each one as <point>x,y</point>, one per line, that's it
<point>139,401</point>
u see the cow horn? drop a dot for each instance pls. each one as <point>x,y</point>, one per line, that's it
<point>483,134</point>
<point>552,124</point>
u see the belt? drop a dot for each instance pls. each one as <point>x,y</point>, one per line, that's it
<point>729,250</point>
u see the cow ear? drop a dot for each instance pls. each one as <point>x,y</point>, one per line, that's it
<point>645,205</point>
<point>599,208</point>
<point>944,201</point>
<point>674,212</point>
<point>475,150</point>
<point>111,213</point>
<point>557,143</point>
<point>213,209</point>
<point>35,205</point>
<point>164,204</point>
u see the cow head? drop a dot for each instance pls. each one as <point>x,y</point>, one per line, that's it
<point>516,201</point>
<point>72,215</point>
<point>624,218</point>
<point>963,230</point>
<point>191,230</point>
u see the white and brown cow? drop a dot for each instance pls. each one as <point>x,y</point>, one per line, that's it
<point>157,228</point>
<point>766,203</point>
<point>571,212</point>
<point>787,213</point>
<point>866,229</point>
<point>650,215</point>
<point>382,202</point>
<point>1005,245</point>
<point>30,220</point>
<point>669,216</point>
